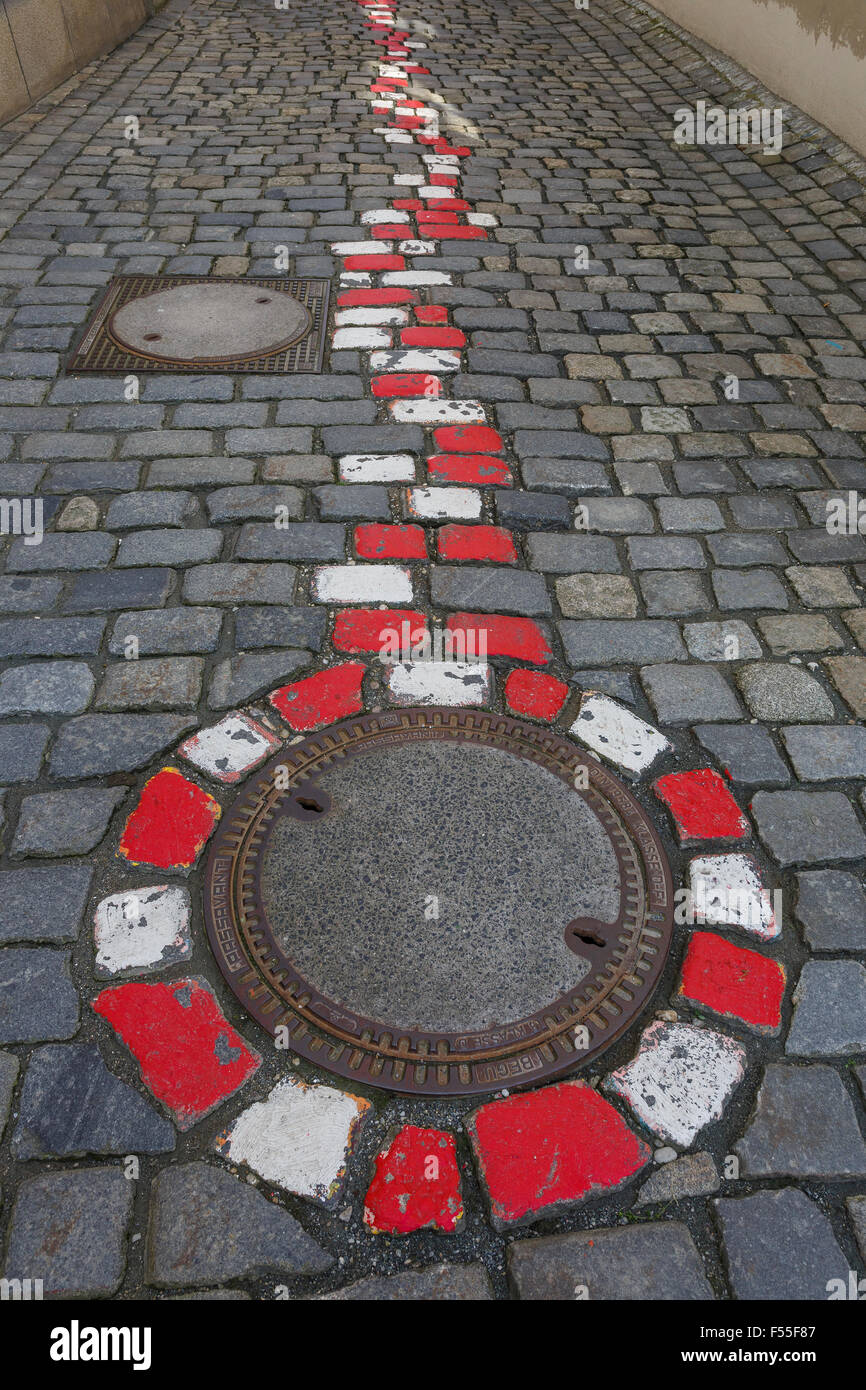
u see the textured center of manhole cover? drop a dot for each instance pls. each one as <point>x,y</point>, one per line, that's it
<point>209,322</point>
<point>439,901</point>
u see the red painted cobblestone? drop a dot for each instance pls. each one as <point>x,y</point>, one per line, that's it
<point>380,541</point>
<point>321,699</point>
<point>191,1058</point>
<point>733,981</point>
<point>366,298</point>
<point>406,384</point>
<point>535,694</point>
<point>171,822</point>
<point>458,542</point>
<point>362,629</point>
<point>432,337</point>
<point>472,439</point>
<point>558,1145</point>
<point>442,233</point>
<point>520,638</point>
<point>702,806</point>
<point>416,1185</point>
<point>384,262</point>
<point>482,469</point>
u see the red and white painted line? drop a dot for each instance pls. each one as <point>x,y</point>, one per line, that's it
<point>535,1151</point>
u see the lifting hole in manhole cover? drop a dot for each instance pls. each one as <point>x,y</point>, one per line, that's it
<point>439,901</point>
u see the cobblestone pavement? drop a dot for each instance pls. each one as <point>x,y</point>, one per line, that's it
<point>616,461</point>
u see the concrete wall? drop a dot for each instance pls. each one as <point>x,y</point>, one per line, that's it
<point>812,52</point>
<point>42,42</point>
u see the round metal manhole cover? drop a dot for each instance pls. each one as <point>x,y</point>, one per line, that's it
<point>439,901</point>
<point>209,322</point>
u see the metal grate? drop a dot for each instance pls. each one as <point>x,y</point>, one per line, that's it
<point>99,351</point>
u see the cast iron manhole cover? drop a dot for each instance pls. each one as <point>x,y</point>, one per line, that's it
<point>197,323</point>
<point>435,904</point>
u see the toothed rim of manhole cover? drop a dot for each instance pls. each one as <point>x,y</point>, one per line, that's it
<point>295,343</point>
<point>622,959</point>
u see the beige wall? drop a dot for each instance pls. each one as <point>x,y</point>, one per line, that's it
<point>42,42</point>
<point>812,52</point>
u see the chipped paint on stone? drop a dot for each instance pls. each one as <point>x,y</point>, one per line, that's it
<point>727,890</point>
<point>542,1150</point>
<point>535,694</point>
<point>702,806</point>
<point>373,216</point>
<point>439,683</point>
<point>300,1137</point>
<point>360,248</point>
<point>613,731</point>
<point>444,503</point>
<point>370,314</point>
<point>733,982</point>
<point>353,338</point>
<point>377,468</point>
<point>143,929</point>
<point>419,277</point>
<point>227,751</point>
<point>432,412</point>
<point>171,823</point>
<point>191,1058</point>
<point>416,1184</point>
<point>680,1080</point>
<point>432,360</point>
<point>329,695</point>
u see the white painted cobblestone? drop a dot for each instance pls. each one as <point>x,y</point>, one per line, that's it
<point>439,683</point>
<point>377,468</point>
<point>681,1079</point>
<point>142,929</point>
<point>230,749</point>
<point>727,890</point>
<point>362,584</point>
<point>444,503</point>
<point>430,412</point>
<point>300,1138</point>
<point>613,731</point>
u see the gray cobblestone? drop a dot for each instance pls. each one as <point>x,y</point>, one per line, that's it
<point>774,690</point>
<point>240,677</point>
<point>140,509</point>
<point>683,695</point>
<point>831,909</point>
<point>597,642</point>
<point>488,591</point>
<point>46,687</point>
<point>170,631</point>
<point>242,583</point>
<point>51,636</point>
<point>97,745</point>
<point>801,827</point>
<point>168,547</point>
<point>307,540</point>
<point>250,503</point>
<point>44,904</point>
<point>746,752</point>
<point>69,1230</point>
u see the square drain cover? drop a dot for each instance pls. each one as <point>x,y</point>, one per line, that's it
<point>204,323</point>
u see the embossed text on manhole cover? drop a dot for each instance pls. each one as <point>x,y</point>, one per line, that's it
<point>200,323</point>
<point>439,901</point>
